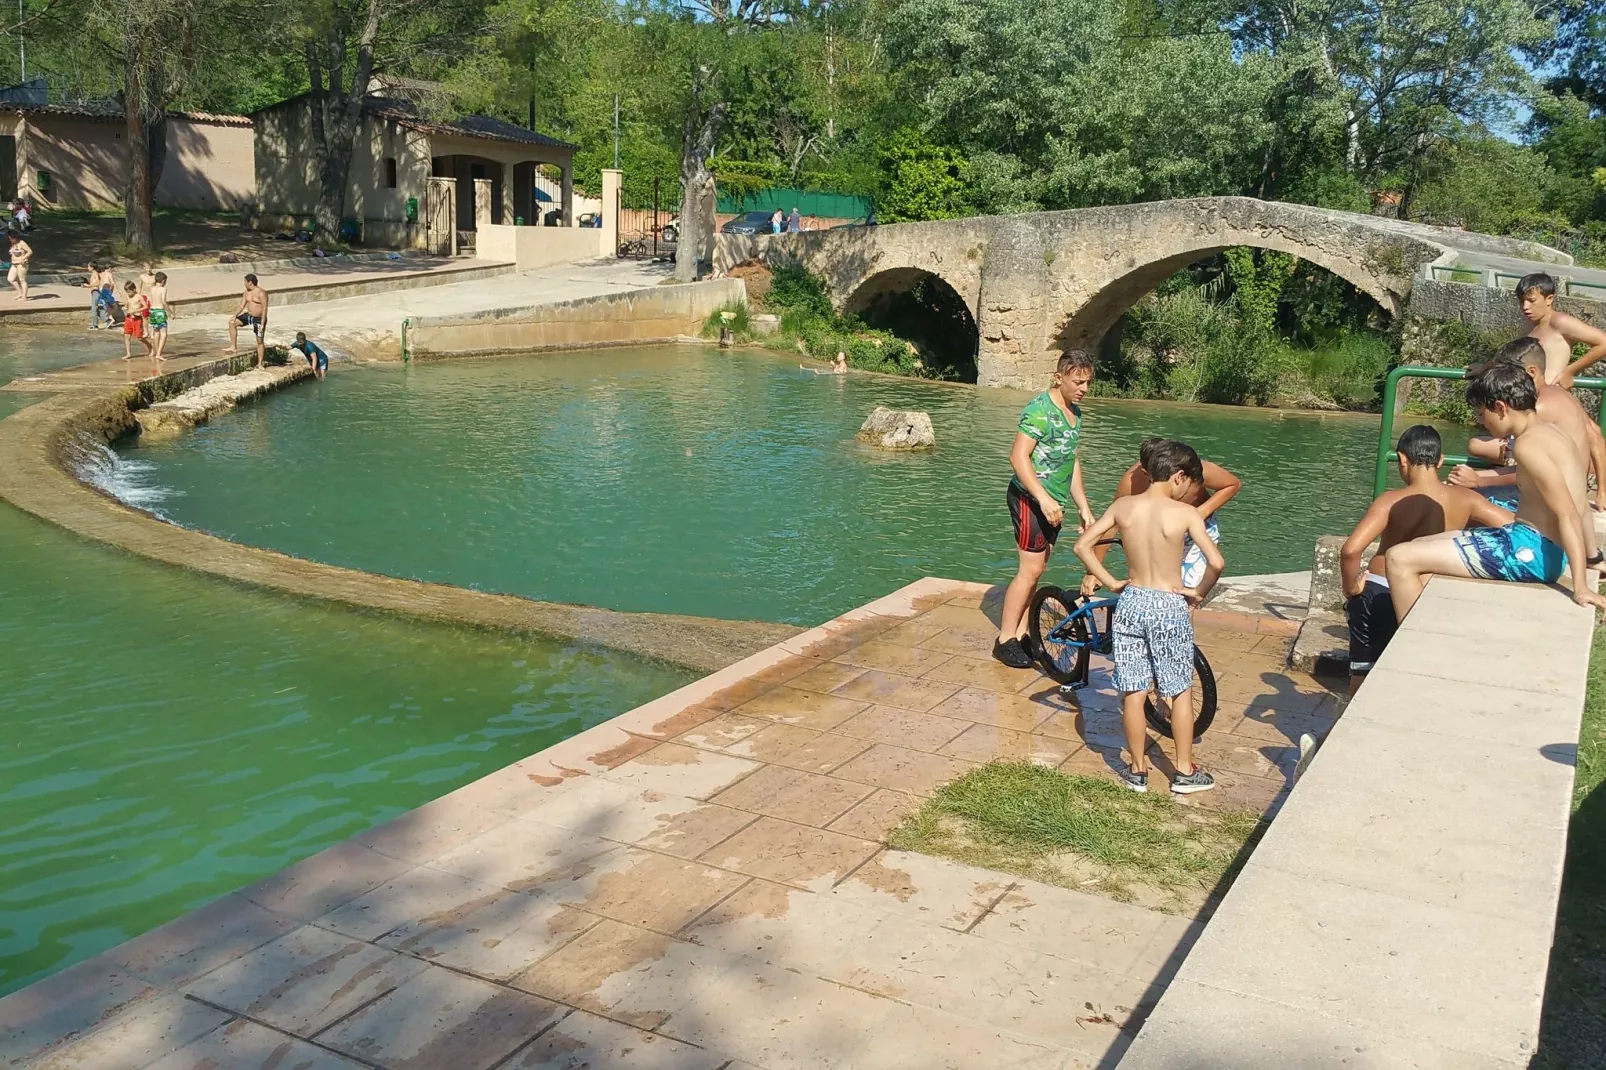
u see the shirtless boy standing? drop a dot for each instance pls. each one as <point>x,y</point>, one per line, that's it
<point>1424,506</point>
<point>1152,630</point>
<point>158,314</point>
<point>1217,490</point>
<point>102,286</point>
<point>252,313</point>
<point>1547,536</point>
<point>1556,331</point>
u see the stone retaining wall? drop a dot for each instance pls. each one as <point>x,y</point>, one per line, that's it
<point>655,314</point>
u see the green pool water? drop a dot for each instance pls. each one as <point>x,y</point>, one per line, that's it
<point>165,739</point>
<point>693,481</point>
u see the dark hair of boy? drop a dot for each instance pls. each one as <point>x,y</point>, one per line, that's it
<point>93,266</point>
<point>1072,359</point>
<point>161,277</point>
<point>1421,446</point>
<point>252,279</point>
<point>1522,352</point>
<point>1537,281</point>
<point>1168,457</point>
<point>1145,448</point>
<point>1502,381</point>
<point>301,336</point>
<point>129,287</point>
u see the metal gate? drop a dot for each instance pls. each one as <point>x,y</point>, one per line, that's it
<point>440,216</point>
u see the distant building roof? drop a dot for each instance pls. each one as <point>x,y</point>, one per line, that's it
<point>407,114</point>
<point>112,110</point>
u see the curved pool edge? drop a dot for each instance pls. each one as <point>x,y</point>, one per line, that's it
<point>36,476</point>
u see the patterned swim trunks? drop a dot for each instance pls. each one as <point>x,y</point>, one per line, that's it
<point>1153,640</point>
<point>1193,558</point>
<point>1516,552</point>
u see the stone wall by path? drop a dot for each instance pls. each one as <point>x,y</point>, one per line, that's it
<point>644,316</point>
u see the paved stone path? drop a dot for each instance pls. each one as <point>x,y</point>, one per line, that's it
<point>701,883</point>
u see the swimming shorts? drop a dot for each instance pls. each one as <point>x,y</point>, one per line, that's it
<point>1153,641</point>
<point>1516,552</point>
<point>158,319</point>
<point>134,326</point>
<point>1505,497</point>
<point>1193,558</point>
<point>1371,623</point>
<point>245,319</point>
<point>1033,532</point>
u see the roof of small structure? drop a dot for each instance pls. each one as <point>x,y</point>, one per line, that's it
<point>112,111</point>
<point>406,113</point>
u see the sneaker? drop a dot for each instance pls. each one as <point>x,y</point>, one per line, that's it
<point>1138,782</point>
<point>1011,653</point>
<point>1307,750</point>
<point>1198,780</point>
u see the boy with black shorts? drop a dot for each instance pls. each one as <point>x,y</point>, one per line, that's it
<point>1047,475</point>
<point>1424,506</point>
<point>1153,630</point>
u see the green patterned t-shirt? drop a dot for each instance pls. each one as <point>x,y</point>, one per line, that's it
<point>1054,456</point>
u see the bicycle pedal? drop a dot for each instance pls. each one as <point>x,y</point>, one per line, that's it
<point>1071,689</point>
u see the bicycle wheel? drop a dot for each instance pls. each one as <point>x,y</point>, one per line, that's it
<point>1204,701</point>
<point>1060,651</point>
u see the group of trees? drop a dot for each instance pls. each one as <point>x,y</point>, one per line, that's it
<point>1488,113</point>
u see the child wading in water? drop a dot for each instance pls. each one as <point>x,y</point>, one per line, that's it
<point>156,297</point>
<point>1047,473</point>
<point>1152,629</point>
<point>134,321</point>
<point>316,357</point>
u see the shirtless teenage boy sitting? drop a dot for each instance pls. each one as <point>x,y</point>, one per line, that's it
<point>1555,406</point>
<point>1424,506</point>
<point>1547,537</point>
<point>1218,488</point>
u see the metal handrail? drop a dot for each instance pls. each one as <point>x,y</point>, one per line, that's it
<point>1385,434</point>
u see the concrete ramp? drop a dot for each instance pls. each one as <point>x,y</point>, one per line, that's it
<point>1400,911</point>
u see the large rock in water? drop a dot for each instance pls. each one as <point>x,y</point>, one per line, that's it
<point>890,429</point>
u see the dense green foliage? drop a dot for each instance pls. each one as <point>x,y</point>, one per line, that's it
<point>947,107</point>
<point>942,108</point>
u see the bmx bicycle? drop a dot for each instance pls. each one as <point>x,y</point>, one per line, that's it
<point>1067,629</point>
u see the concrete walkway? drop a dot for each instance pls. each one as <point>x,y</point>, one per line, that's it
<point>370,325</point>
<point>1399,913</point>
<point>701,883</point>
<point>205,287</point>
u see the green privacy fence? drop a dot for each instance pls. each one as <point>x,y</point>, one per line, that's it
<point>807,202</point>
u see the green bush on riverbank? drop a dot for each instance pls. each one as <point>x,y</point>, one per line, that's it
<point>809,325</point>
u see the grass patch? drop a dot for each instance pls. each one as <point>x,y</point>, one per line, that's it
<point>1081,832</point>
<point>1572,1034</point>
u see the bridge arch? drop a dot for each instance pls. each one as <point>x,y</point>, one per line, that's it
<point>925,308</point>
<point>1085,323</point>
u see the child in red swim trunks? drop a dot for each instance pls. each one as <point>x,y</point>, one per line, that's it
<point>134,321</point>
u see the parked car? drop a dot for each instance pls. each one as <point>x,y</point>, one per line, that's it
<point>671,230</point>
<point>864,221</point>
<point>749,223</point>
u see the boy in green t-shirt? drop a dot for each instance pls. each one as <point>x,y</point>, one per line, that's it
<point>1047,474</point>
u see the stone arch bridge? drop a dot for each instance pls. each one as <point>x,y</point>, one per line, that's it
<point>1038,283</point>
